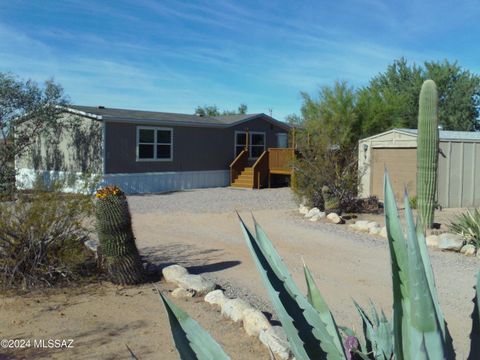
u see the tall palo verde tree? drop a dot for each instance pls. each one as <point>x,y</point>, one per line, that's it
<point>427,152</point>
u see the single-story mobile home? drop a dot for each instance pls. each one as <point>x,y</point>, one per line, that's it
<point>458,182</point>
<point>145,151</point>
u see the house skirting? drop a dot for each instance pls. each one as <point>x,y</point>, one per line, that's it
<point>136,183</point>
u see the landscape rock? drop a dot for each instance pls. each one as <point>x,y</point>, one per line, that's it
<point>182,293</point>
<point>173,273</point>
<point>302,209</point>
<point>432,240</point>
<point>317,217</point>
<point>254,321</point>
<point>375,230</point>
<point>335,218</point>
<point>197,283</point>
<point>216,297</point>
<point>468,250</point>
<point>361,225</point>
<point>276,340</point>
<point>92,245</point>
<point>451,242</point>
<point>383,232</point>
<point>234,308</point>
<point>312,212</point>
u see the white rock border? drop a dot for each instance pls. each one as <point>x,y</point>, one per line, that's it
<point>254,321</point>
<point>444,241</point>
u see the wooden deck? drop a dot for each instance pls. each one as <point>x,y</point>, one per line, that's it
<point>272,161</point>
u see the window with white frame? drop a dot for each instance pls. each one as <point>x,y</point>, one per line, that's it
<point>154,143</point>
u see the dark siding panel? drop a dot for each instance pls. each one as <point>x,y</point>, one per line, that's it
<point>194,148</point>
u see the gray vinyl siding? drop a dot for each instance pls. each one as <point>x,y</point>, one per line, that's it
<point>194,148</point>
<point>76,147</point>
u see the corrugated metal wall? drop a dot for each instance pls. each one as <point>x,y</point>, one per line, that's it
<point>458,174</point>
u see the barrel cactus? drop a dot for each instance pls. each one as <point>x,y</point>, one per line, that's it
<point>330,200</point>
<point>117,242</point>
<point>427,152</point>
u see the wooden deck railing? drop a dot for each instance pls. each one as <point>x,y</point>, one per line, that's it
<point>281,160</point>
<point>260,170</point>
<point>237,166</point>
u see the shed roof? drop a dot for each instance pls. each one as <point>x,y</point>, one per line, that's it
<point>128,115</point>
<point>444,135</point>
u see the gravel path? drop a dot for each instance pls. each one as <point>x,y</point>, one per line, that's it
<point>215,200</point>
<point>199,229</point>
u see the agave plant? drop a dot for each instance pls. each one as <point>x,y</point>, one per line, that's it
<point>418,329</point>
<point>468,226</point>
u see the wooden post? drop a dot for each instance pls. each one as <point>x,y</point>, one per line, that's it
<point>293,138</point>
<point>247,140</point>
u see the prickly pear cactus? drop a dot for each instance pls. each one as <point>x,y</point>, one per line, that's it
<point>330,201</point>
<point>117,242</point>
<point>427,152</point>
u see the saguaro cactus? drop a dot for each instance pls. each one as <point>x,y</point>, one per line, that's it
<point>117,242</point>
<point>427,152</point>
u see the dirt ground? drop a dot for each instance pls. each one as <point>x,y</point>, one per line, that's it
<point>103,318</point>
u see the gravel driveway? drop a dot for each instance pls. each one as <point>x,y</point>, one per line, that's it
<point>199,229</point>
<point>215,200</point>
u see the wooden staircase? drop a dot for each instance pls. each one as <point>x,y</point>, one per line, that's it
<point>244,174</point>
<point>245,179</point>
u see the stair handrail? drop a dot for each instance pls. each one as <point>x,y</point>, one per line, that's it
<point>260,169</point>
<point>237,165</point>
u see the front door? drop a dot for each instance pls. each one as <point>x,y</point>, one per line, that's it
<point>256,143</point>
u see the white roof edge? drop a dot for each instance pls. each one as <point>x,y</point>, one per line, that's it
<point>444,135</point>
<point>83,113</point>
<point>402,131</point>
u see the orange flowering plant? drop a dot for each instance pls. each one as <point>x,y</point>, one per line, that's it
<point>113,190</point>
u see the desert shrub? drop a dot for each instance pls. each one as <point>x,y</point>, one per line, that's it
<point>412,200</point>
<point>41,238</point>
<point>320,165</point>
<point>369,205</point>
<point>468,226</point>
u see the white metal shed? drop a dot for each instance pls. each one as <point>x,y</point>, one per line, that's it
<point>458,165</point>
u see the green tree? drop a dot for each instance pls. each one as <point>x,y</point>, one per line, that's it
<point>213,110</point>
<point>26,111</point>
<point>459,95</point>
<point>391,98</point>
<point>327,145</point>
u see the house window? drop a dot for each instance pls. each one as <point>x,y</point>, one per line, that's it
<point>256,143</point>
<point>282,140</point>
<point>240,142</point>
<point>154,144</point>
<point>257,147</point>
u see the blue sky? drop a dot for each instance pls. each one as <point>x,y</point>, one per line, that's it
<point>174,55</point>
